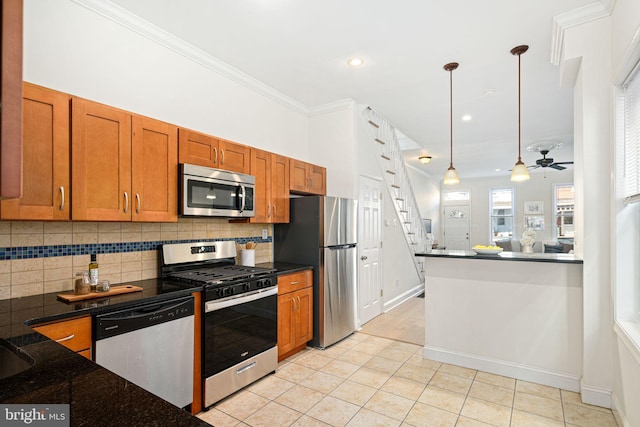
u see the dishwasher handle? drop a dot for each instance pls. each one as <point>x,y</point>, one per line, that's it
<point>132,319</point>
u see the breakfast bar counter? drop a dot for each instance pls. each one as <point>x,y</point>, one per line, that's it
<point>512,314</point>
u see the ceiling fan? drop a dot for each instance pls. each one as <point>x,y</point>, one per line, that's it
<point>545,162</point>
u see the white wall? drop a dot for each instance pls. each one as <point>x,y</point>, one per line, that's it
<point>591,43</point>
<point>332,145</point>
<point>427,192</point>
<point>72,49</point>
<point>538,188</point>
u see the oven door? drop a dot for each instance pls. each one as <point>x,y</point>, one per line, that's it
<point>237,329</point>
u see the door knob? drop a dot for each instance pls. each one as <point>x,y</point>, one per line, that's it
<point>363,258</point>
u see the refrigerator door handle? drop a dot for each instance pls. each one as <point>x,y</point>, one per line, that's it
<point>338,247</point>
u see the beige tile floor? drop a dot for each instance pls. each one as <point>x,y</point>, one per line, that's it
<point>372,381</point>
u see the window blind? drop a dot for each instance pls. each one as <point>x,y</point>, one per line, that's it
<point>632,137</point>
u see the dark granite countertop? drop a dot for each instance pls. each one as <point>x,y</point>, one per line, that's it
<point>504,256</point>
<point>96,396</point>
<point>285,268</point>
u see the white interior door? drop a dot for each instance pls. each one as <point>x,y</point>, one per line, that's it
<point>456,227</point>
<point>369,242</point>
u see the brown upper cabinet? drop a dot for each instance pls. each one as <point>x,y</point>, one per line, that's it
<point>46,190</point>
<point>204,150</point>
<point>124,166</point>
<point>11,99</point>
<point>272,187</point>
<point>307,178</point>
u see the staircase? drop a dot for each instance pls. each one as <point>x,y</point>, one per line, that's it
<point>387,150</point>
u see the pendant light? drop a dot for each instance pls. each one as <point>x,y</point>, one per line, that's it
<point>451,176</point>
<point>520,171</point>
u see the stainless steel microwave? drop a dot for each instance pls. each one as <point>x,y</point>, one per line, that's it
<point>215,192</point>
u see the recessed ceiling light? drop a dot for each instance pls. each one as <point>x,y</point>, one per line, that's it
<point>466,117</point>
<point>355,62</point>
<point>489,92</point>
<point>498,170</point>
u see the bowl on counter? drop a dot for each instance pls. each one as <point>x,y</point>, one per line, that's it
<point>486,251</point>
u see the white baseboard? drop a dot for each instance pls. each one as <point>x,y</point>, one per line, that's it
<point>500,367</point>
<point>620,417</point>
<point>394,302</point>
<point>595,396</point>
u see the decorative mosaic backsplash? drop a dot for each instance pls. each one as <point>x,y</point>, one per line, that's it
<point>41,257</point>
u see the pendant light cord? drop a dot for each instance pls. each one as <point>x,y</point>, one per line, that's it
<point>519,114</point>
<point>450,118</point>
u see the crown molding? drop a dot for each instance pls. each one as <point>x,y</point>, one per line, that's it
<point>154,33</point>
<point>582,15</point>
<point>331,107</point>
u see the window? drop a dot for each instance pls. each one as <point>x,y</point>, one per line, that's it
<point>627,210</point>
<point>563,207</point>
<point>456,196</point>
<point>631,173</point>
<point>501,214</point>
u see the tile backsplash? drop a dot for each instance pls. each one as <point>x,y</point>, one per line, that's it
<point>40,257</point>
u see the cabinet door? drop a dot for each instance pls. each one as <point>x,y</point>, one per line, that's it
<point>286,324</point>
<point>154,170</point>
<point>279,188</point>
<point>74,334</point>
<point>234,157</point>
<point>46,192</point>
<point>299,178</point>
<point>100,162</point>
<point>197,149</point>
<point>304,318</point>
<point>11,99</point>
<point>318,180</point>
<point>261,169</point>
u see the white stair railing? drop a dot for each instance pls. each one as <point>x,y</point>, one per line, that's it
<point>396,177</point>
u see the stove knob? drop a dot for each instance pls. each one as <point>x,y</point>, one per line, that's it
<point>267,283</point>
<point>246,287</point>
<point>228,291</point>
<point>220,292</point>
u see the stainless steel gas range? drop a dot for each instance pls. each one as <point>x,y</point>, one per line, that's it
<point>240,314</point>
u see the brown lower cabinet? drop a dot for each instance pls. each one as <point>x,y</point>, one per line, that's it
<point>75,334</point>
<point>295,312</point>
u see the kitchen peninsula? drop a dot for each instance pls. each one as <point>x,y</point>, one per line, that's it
<point>512,314</point>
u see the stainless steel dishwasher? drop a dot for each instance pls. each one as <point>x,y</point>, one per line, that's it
<point>151,346</point>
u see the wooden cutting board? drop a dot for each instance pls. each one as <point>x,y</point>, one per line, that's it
<point>113,290</point>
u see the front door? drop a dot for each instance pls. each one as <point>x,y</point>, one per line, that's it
<point>456,227</point>
<point>369,242</point>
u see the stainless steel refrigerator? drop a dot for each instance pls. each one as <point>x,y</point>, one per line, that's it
<point>322,233</point>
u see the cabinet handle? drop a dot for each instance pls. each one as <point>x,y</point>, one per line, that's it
<point>126,202</point>
<point>298,303</point>
<point>215,155</point>
<point>274,211</point>
<point>62,199</point>
<point>221,156</point>
<point>70,337</point>
<point>293,304</point>
<point>295,283</point>
<point>137,203</point>
<point>268,211</point>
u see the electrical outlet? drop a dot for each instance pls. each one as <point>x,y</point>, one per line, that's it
<point>265,233</point>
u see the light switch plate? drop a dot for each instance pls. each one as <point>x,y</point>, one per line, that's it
<point>265,233</point>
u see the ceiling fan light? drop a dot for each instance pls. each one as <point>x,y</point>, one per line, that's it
<point>424,159</point>
<point>520,172</point>
<point>451,176</point>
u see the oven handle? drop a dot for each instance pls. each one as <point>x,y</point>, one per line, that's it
<point>241,299</point>
<point>244,193</point>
